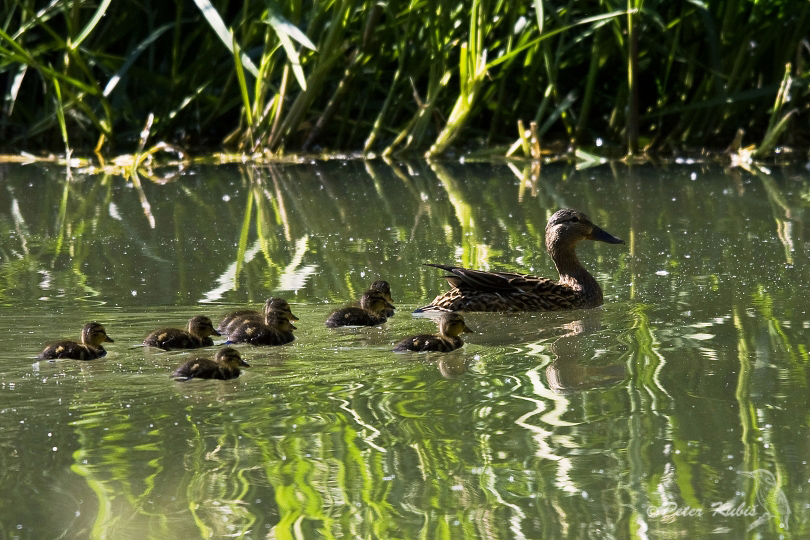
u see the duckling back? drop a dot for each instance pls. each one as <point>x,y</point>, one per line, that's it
<point>225,365</point>
<point>451,325</point>
<point>235,319</point>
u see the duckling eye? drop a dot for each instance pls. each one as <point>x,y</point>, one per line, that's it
<point>575,219</point>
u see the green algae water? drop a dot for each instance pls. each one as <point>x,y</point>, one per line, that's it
<point>679,408</point>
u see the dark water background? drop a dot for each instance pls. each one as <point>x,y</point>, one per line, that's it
<point>680,408</point>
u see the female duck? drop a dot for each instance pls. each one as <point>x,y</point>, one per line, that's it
<point>451,325</point>
<point>372,311</point>
<point>199,330</point>
<point>276,329</point>
<point>225,365</point>
<point>233,320</point>
<point>93,335</point>
<point>475,290</point>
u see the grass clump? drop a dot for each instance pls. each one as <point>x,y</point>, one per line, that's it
<point>405,76</point>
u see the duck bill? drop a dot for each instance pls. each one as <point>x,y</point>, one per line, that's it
<point>604,236</point>
<point>389,305</point>
<point>108,339</point>
<point>215,332</point>
<point>292,318</point>
<point>293,326</point>
<point>468,329</point>
<point>243,363</point>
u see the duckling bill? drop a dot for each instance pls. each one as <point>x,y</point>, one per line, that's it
<point>93,335</point>
<point>200,328</point>
<point>576,288</point>
<point>225,365</point>
<point>372,311</point>
<point>451,326</point>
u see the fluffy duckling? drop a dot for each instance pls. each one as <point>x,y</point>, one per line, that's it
<point>276,329</point>
<point>385,288</point>
<point>372,311</point>
<point>225,365</point>
<point>233,320</point>
<point>93,335</point>
<point>450,326</point>
<point>199,330</point>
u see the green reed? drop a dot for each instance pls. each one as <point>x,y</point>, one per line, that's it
<point>404,76</point>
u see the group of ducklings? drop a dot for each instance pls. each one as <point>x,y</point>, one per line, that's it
<point>272,327</point>
<point>470,290</point>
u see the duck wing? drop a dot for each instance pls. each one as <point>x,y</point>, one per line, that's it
<point>495,282</point>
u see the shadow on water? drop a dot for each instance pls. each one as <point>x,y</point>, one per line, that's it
<point>677,408</point>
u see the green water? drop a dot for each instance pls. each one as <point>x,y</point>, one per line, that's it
<point>680,408</point>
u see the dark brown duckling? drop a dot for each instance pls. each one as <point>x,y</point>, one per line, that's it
<point>372,311</point>
<point>451,325</point>
<point>276,329</point>
<point>93,335</point>
<point>385,288</point>
<point>225,365</point>
<point>233,320</point>
<point>199,330</point>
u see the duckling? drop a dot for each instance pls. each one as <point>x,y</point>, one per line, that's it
<point>93,335</point>
<point>199,330</point>
<point>276,329</point>
<point>372,311</point>
<point>272,305</point>
<point>475,290</point>
<point>225,365</point>
<point>385,288</point>
<point>451,324</point>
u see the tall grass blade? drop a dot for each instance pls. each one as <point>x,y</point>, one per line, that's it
<point>221,29</point>
<point>91,24</point>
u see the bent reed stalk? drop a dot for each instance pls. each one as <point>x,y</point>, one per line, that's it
<point>403,76</point>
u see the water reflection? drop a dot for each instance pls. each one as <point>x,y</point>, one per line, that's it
<point>544,425</point>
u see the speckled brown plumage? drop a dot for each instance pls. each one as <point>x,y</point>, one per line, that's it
<point>200,328</point>
<point>93,335</point>
<point>225,365</point>
<point>476,290</point>
<point>451,326</point>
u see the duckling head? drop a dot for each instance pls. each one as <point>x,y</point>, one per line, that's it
<point>279,322</point>
<point>201,326</point>
<point>452,324</point>
<point>373,300</point>
<point>280,307</point>
<point>384,287</point>
<point>230,357</point>
<point>94,334</point>
<point>568,227</point>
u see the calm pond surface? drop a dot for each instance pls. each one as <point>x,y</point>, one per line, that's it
<point>680,408</point>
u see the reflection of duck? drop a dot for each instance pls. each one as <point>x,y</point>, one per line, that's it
<point>272,305</point>
<point>225,365</point>
<point>566,374</point>
<point>199,330</point>
<point>475,290</point>
<point>451,325</point>
<point>93,335</point>
<point>372,311</point>
<point>275,329</point>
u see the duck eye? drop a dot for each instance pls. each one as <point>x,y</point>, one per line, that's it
<point>575,219</point>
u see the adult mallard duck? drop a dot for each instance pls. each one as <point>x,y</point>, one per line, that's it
<point>451,326</point>
<point>372,311</point>
<point>475,290</point>
<point>200,328</point>
<point>275,329</point>
<point>225,365</point>
<point>233,320</point>
<point>93,335</point>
